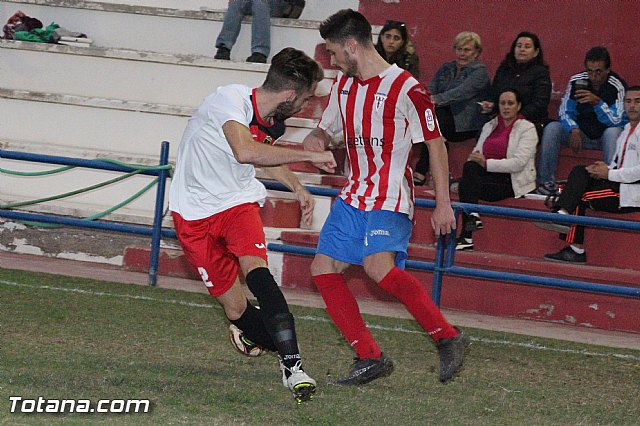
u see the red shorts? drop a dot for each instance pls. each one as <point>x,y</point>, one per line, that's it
<point>213,245</point>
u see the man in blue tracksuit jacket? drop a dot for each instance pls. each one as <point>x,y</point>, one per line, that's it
<point>591,115</point>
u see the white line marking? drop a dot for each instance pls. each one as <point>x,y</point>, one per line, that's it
<point>325,320</point>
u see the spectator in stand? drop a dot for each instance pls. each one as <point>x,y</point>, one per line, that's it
<point>502,165</point>
<point>614,188</point>
<point>261,11</point>
<point>524,69</point>
<point>591,116</point>
<point>456,89</point>
<point>396,48</point>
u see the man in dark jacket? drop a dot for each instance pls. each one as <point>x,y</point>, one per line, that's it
<point>590,116</point>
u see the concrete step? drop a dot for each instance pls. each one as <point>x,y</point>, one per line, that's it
<point>97,125</point>
<point>176,4</point>
<point>127,75</point>
<point>158,29</point>
<point>82,127</point>
<point>314,10</point>
<point>71,123</point>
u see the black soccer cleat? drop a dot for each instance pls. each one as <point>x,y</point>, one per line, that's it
<point>365,370</point>
<point>451,352</point>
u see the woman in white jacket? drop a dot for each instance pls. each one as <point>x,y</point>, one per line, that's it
<point>502,164</point>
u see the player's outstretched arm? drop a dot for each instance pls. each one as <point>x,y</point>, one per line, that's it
<point>247,151</point>
<point>286,177</point>
<point>318,140</point>
<point>442,219</point>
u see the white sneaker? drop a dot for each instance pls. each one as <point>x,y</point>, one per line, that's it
<point>299,383</point>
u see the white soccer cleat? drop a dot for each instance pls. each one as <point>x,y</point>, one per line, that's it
<point>243,345</point>
<point>298,382</point>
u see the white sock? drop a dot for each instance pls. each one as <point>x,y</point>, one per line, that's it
<point>576,249</point>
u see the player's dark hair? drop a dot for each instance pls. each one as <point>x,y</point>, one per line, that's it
<point>292,69</point>
<point>598,53</point>
<point>345,24</point>
<point>633,88</point>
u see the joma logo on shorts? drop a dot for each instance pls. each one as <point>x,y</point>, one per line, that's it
<point>379,232</point>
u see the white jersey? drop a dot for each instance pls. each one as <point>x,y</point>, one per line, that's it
<point>208,179</point>
<point>625,167</point>
<point>380,118</point>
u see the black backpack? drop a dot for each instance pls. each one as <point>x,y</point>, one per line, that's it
<point>293,8</point>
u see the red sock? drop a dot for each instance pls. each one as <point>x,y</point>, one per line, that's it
<point>407,289</point>
<point>343,309</point>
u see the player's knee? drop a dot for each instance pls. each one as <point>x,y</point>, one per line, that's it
<point>322,265</point>
<point>251,263</point>
<point>233,309</point>
<point>376,271</point>
<point>260,280</point>
<point>316,267</point>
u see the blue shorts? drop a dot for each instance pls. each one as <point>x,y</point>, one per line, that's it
<point>349,235</point>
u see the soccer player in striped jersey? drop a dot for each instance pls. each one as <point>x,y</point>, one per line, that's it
<point>380,110</point>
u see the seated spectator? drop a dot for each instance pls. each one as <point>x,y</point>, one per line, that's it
<point>591,116</point>
<point>614,188</point>
<point>502,164</point>
<point>261,11</point>
<point>524,70</point>
<point>396,48</point>
<point>456,89</point>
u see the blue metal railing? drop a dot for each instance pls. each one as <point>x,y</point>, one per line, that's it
<point>155,231</point>
<point>445,248</point>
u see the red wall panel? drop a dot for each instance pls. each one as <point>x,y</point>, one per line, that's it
<point>567,29</point>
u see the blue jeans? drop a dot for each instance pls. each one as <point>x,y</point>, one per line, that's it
<point>554,136</point>
<point>261,12</point>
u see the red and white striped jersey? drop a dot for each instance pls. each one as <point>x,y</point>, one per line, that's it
<point>380,118</point>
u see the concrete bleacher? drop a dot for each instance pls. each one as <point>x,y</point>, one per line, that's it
<point>152,63</point>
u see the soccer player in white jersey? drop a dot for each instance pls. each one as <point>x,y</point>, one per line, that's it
<point>215,200</point>
<point>380,110</point>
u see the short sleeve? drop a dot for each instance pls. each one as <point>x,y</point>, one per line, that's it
<point>420,113</point>
<point>331,121</point>
<point>229,103</point>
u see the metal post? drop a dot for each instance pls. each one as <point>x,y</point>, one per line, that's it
<point>445,251</point>
<point>437,271</point>
<point>157,217</point>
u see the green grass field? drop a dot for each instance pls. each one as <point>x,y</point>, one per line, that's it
<point>64,338</point>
